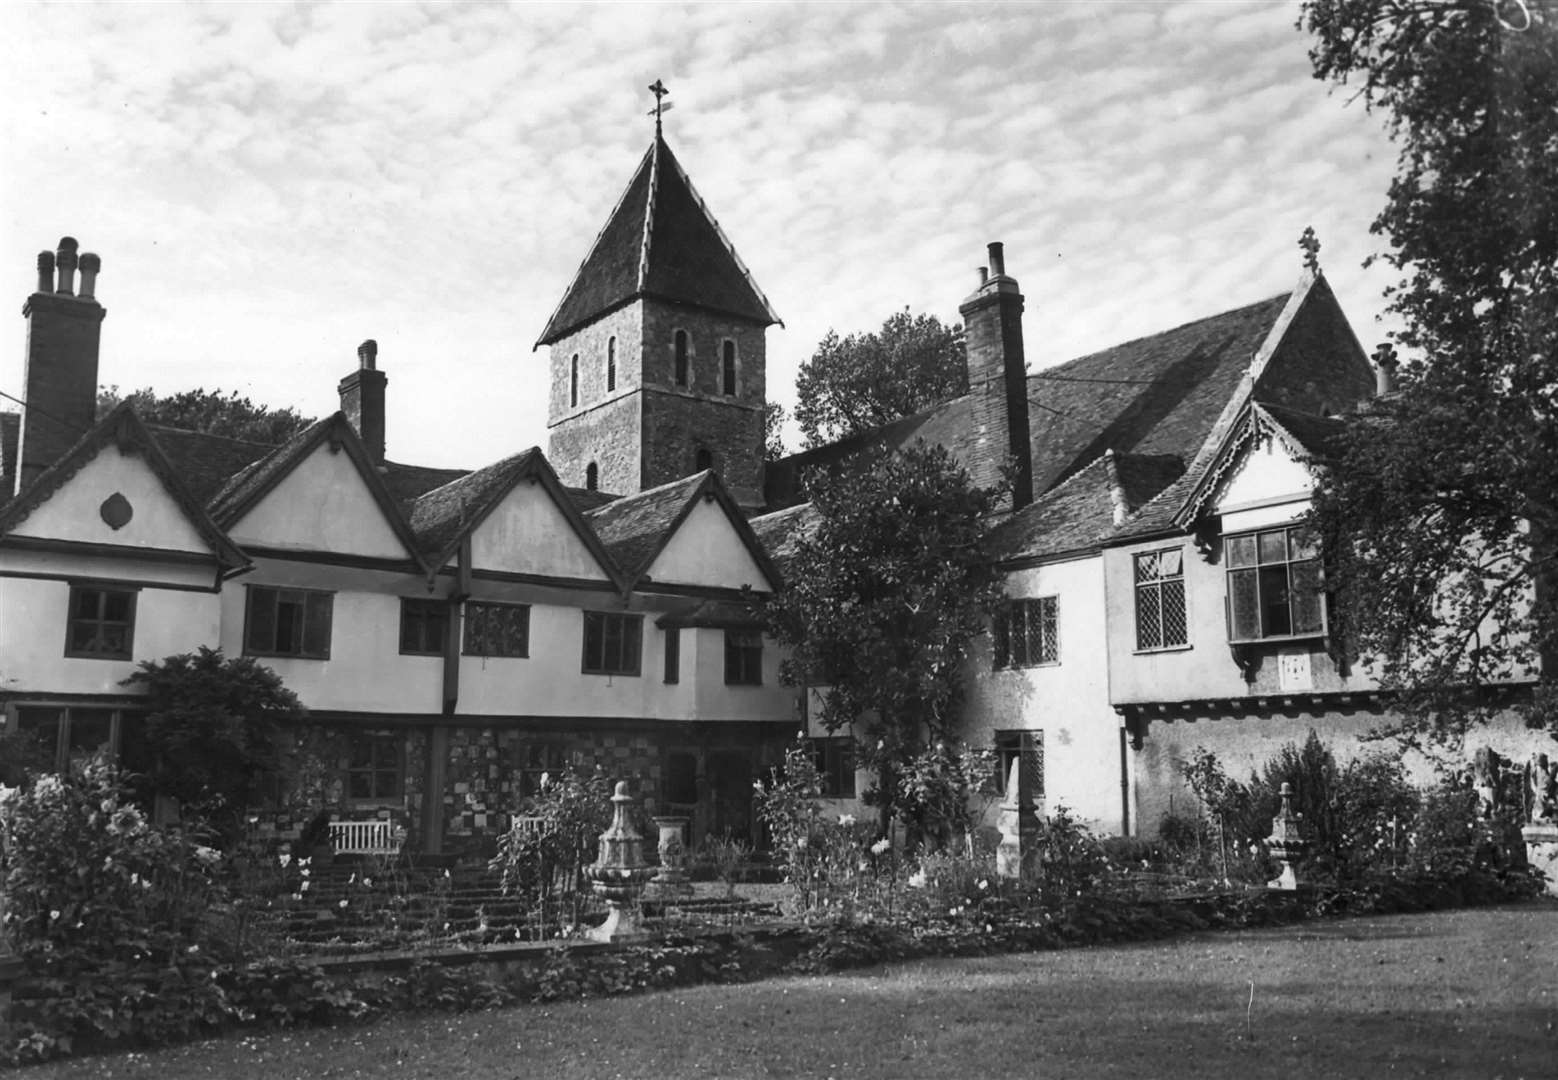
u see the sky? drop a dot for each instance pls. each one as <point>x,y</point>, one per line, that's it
<point>269,184</point>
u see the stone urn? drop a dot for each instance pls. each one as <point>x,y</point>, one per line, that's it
<point>670,881</point>
<point>1286,842</point>
<point>619,872</point>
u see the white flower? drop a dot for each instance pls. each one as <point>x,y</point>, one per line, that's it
<point>917,880</point>
<point>285,858</point>
<point>207,856</point>
<point>846,819</point>
<point>193,949</point>
<point>342,904</point>
<point>55,914</point>
<point>984,883</point>
<point>882,846</point>
<point>801,843</point>
<point>303,888</point>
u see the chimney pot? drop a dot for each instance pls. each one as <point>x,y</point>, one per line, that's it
<point>368,355</point>
<point>45,271</point>
<point>91,265</point>
<point>984,275</point>
<point>997,258</point>
<point>1384,369</point>
<point>65,260</point>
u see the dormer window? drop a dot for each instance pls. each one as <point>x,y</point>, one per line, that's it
<point>592,477</point>
<point>1274,584</point>
<point>728,368</point>
<point>679,345</point>
<point>573,382</point>
<point>611,364</point>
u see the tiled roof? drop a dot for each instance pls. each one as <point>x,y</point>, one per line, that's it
<point>205,463</point>
<point>718,614</point>
<point>587,499</point>
<point>634,527</point>
<point>779,532</point>
<point>1315,435</point>
<point>439,516</point>
<point>244,485</point>
<point>1157,395</point>
<point>406,482</point>
<point>659,241</point>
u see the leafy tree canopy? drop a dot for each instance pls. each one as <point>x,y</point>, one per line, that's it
<point>1441,508</point>
<point>884,597</point>
<point>213,730</point>
<point>773,431</point>
<point>863,381</point>
<point>210,411</point>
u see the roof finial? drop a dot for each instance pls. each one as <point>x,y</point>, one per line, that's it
<point>659,91</point>
<point>1311,245</point>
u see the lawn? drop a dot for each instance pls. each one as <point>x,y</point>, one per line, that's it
<point>1453,994</point>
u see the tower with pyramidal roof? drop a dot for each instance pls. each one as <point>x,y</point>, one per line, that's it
<point>657,349</point>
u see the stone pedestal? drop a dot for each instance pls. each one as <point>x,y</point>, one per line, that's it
<point>619,872</point>
<point>1017,855</point>
<point>1542,851</point>
<point>670,881</point>
<point>1286,843</point>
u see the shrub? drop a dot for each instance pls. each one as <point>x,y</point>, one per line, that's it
<point>545,851</point>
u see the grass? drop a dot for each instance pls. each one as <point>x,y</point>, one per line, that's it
<point>1452,994</point>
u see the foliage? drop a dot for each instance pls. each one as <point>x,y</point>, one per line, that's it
<point>885,597</point>
<point>1439,509</point>
<point>773,431</point>
<point>937,789</point>
<point>863,381</point>
<point>728,857</point>
<point>549,844</point>
<point>209,411</point>
<point>213,730</point>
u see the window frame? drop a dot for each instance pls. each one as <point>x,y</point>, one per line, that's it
<point>1254,569</point>
<point>673,655</point>
<point>611,364</point>
<point>1027,746</point>
<point>681,358</point>
<point>475,608</point>
<point>743,657</point>
<point>324,596</point>
<point>423,612</point>
<point>833,756</point>
<point>1038,615</point>
<point>729,368</point>
<point>100,621</point>
<point>1156,587</point>
<point>573,381</point>
<point>629,629</point>
<point>64,724</point>
<point>376,768</point>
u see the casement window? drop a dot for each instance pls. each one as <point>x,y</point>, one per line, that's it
<point>573,381</point>
<point>59,738</point>
<point>1274,584</point>
<point>101,623</point>
<point>288,622</point>
<point>1026,633</point>
<point>424,627</point>
<point>743,658</point>
<point>679,346</point>
<point>673,654</point>
<point>1160,600</point>
<point>728,368</point>
<point>835,761</point>
<point>497,629</point>
<point>375,768</point>
<point>611,364</point>
<point>1026,749</point>
<point>611,643</point>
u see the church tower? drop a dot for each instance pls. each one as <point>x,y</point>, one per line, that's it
<point>657,348</point>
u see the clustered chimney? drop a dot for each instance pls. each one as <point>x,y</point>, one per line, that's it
<point>64,329</point>
<point>362,399</point>
<point>998,379</point>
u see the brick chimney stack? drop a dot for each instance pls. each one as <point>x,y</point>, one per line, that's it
<point>998,379</point>
<point>362,399</point>
<point>64,330</point>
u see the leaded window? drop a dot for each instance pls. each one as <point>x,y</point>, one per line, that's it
<point>1026,633</point>
<point>1274,584</point>
<point>497,629</point>
<point>1160,599</point>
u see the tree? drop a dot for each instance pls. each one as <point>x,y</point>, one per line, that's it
<point>773,431</point>
<point>884,597</point>
<point>210,411</point>
<point>1440,508</point>
<point>213,731</point>
<point>863,381</point>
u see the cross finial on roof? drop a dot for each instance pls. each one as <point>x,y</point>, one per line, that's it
<point>1311,245</point>
<point>659,91</point>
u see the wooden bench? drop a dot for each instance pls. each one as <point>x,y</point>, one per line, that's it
<point>376,837</point>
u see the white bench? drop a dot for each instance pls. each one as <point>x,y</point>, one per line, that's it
<point>377,837</point>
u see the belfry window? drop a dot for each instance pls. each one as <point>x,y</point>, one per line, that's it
<point>592,477</point>
<point>573,381</point>
<point>702,459</point>
<point>679,342</point>
<point>728,368</point>
<point>611,364</point>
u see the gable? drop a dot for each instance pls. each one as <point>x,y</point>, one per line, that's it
<point>75,511</point>
<point>321,504</point>
<point>528,533</point>
<point>1265,471</point>
<point>706,550</point>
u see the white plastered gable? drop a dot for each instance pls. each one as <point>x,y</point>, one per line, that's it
<point>707,550</point>
<point>1266,483</point>
<point>76,510</point>
<point>322,504</point>
<point>528,533</point>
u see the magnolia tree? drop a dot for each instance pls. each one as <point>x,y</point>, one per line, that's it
<point>883,599</point>
<point>1441,508</point>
